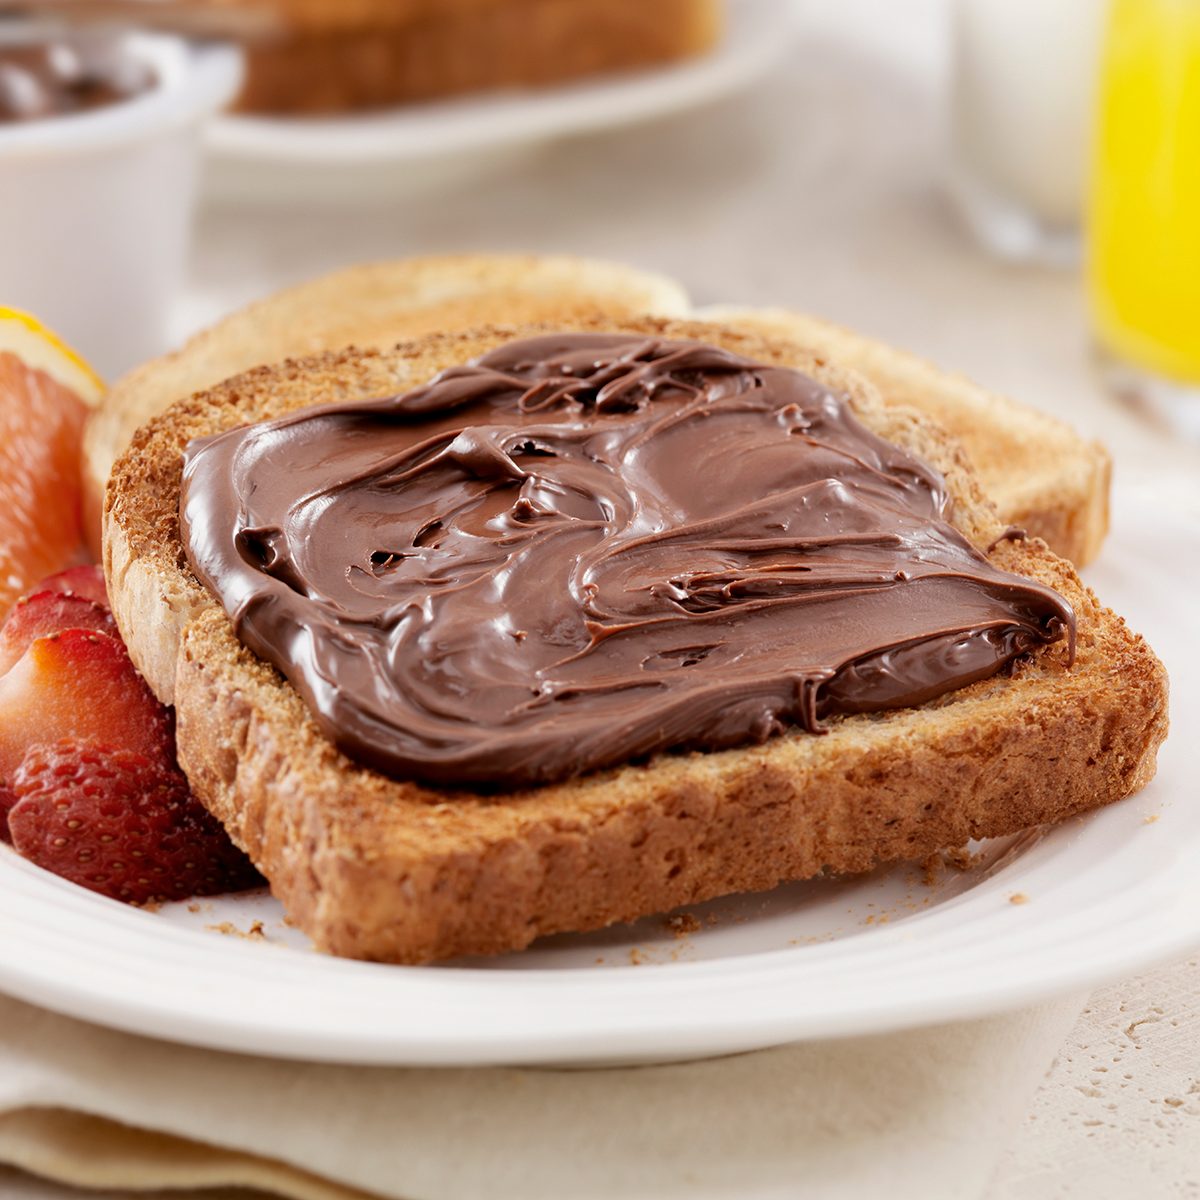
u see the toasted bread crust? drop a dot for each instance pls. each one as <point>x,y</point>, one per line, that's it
<point>376,868</point>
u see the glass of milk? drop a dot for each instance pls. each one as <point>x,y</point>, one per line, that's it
<point>1022,103</point>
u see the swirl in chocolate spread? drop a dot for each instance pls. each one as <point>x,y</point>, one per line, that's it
<point>582,549</point>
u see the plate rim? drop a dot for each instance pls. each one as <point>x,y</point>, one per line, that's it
<point>705,1037</point>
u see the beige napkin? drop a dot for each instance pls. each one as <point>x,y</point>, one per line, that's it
<point>925,1113</point>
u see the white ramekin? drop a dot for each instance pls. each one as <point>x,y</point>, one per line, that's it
<point>96,207</point>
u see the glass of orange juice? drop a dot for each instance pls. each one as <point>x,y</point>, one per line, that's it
<point>1143,236</point>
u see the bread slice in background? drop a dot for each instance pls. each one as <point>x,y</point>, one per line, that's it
<point>331,16</point>
<point>377,868</point>
<point>333,62</point>
<point>1041,474</point>
<point>370,306</point>
<point>338,16</point>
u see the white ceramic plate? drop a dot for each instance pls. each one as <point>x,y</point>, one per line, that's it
<point>433,145</point>
<point>1103,896</point>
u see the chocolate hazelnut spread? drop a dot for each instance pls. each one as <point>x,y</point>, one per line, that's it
<point>583,549</point>
<point>65,74</point>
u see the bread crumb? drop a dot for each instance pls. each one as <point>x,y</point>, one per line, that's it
<point>960,858</point>
<point>193,907</point>
<point>254,933</point>
<point>1018,898</point>
<point>1150,819</point>
<point>682,924</point>
<point>636,957</point>
<point>816,939</point>
<point>931,870</point>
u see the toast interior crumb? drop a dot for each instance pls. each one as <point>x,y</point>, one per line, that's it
<point>1018,898</point>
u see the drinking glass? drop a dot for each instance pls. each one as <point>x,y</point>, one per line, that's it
<point>1021,107</point>
<point>1143,230</point>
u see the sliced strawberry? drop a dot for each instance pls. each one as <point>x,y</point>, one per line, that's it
<point>79,684</point>
<point>48,612</point>
<point>121,824</point>
<point>7,799</point>
<point>78,581</point>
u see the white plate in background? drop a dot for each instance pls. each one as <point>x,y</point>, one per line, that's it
<point>1101,897</point>
<point>426,146</point>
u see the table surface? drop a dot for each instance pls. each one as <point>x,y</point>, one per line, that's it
<point>821,190</point>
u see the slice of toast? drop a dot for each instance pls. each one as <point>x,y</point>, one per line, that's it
<point>1040,473</point>
<point>337,16</point>
<point>377,868</point>
<point>333,16</point>
<point>452,50</point>
<point>370,306</point>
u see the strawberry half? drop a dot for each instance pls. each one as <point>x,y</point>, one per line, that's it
<point>87,582</point>
<point>122,824</point>
<point>48,612</point>
<point>7,799</point>
<point>79,684</point>
<point>89,787</point>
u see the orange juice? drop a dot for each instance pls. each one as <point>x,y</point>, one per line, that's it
<point>1144,219</point>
